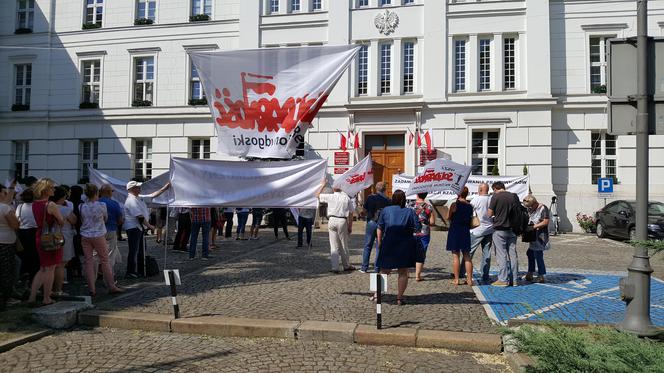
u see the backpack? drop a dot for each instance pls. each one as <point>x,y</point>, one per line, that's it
<point>519,217</point>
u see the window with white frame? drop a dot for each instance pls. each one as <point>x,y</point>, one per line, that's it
<point>603,151</point>
<point>363,70</point>
<point>485,151</point>
<point>195,86</point>
<point>201,7</point>
<point>94,11</point>
<point>316,5</point>
<point>22,84</point>
<point>144,79</point>
<point>91,75</point>
<point>362,3</point>
<point>598,63</point>
<point>295,6</point>
<point>88,156</point>
<point>485,64</point>
<point>146,9</point>
<point>274,6</point>
<point>509,63</point>
<point>408,2</point>
<point>385,68</point>
<point>385,2</point>
<point>143,159</point>
<point>408,67</point>
<point>21,155</point>
<point>25,14</point>
<point>200,148</point>
<point>459,65</point>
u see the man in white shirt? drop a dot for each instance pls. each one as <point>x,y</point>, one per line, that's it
<point>481,235</point>
<point>136,220</point>
<point>340,209</point>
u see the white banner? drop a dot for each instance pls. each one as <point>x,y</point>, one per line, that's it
<point>440,175</point>
<point>120,186</point>
<point>519,185</point>
<point>263,100</point>
<point>357,178</point>
<point>197,182</point>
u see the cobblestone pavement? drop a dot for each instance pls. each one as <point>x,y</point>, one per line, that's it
<point>274,280</point>
<point>107,350</point>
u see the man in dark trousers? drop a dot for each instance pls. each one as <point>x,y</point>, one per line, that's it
<point>373,206</point>
<point>279,220</point>
<point>504,239</point>
<point>184,230</point>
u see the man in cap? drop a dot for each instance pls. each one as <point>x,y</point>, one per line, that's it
<point>136,220</point>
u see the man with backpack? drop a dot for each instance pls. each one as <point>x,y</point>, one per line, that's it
<point>505,210</point>
<point>373,206</point>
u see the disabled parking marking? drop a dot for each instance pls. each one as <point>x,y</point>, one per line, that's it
<point>569,301</point>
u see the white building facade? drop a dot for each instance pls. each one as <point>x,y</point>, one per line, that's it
<point>504,85</point>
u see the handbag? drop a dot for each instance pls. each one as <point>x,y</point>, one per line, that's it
<point>474,221</point>
<point>51,241</point>
<point>530,234</point>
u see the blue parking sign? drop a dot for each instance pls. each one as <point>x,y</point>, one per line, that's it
<point>605,185</point>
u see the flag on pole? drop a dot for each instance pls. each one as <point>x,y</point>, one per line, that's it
<point>428,138</point>
<point>356,143</point>
<point>358,178</point>
<point>343,141</point>
<point>419,139</point>
<point>264,100</point>
<point>411,137</point>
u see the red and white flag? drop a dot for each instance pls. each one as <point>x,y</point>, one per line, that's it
<point>428,138</point>
<point>263,100</point>
<point>343,141</point>
<point>419,138</point>
<point>411,137</point>
<point>358,178</point>
<point>356,142</point>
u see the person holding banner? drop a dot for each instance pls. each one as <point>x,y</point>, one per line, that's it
<point>305,220</point>
<point>279,220</point>
<point>340,209</point>
<point>374,204</point>
<point>458,236</point>
<point>424,212</point>
<point>396,241</point>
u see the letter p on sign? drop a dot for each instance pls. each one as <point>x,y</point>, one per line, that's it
<point>605,185</point>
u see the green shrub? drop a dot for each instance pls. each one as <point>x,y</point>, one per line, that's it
<point>143,21</point>
<point>199,18</point>
<point>90,26</point>
<point>141,103</point>
<point>20,107</point>
<point>88,105</point>
<point>563,349</point>
<point>198,101</point>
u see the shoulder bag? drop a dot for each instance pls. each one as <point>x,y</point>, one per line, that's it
<point>50,240</point>
<point>474,221</point>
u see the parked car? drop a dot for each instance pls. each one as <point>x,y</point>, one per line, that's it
<point>617,219</point>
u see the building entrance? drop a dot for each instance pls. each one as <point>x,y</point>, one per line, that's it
<point>387,155</point>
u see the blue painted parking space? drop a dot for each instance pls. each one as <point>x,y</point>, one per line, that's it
<point>566,297</point>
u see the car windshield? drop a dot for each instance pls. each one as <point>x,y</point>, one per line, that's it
<point>656,208</point>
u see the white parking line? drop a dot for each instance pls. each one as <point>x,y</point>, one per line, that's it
<point>569,301</point>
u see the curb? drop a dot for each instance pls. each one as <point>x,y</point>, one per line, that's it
<point>13,343</point>
<point>520,362</point>
<point>328,331</point>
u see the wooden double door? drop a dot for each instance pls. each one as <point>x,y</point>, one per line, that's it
<point>387,155</point>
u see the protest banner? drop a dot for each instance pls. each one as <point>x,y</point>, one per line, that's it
<point>438,176</point>
<point>206,183</point>
<point>120,186</point>
<point>519,185</point>
<point>263,100</point>
<point>358,178</point>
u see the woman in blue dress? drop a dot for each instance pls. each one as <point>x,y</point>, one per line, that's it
<point>458,236</point>
<point>396,242</point>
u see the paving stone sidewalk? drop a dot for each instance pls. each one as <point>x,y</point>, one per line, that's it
<point>274,280</point>
<point>120,351</point>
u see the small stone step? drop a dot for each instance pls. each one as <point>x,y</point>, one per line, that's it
<point>60,315</point>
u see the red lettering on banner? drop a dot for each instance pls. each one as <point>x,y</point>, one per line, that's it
<point>431,175</point>
<point>357,178</point>
<point>268,114</point>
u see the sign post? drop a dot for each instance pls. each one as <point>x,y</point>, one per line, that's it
<point>378,283</point>
<point>605,188</point>
<point>172,278</point>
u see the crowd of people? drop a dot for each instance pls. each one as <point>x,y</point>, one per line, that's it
<point>48,231</point>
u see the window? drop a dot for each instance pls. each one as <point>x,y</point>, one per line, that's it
<point>94,10</point>
<point>88,155</point>
<point>385,2</point>
<point>25,14</point>
<point>459,65</point>
<point>485,64</point>
<point>200,148</point>
<point>143,159</point>
<point>201,7</point>
<point>509,63</point>
<point>408,67</point>
<point>274,6</point>
<point>408,2</point>
<point>362,70</point>
<point>484,152</point>
<point>316,5</point>
<point>146,9</point>
<point>385,67</point>
<point>91,73</point>
<point>21,154</point>
<point>603,148</point>
<point>295,5</point>
<point>598,64</point>
<point>22,84</point>
<point>195,85</point>
<point>361,3</point>
<point>143,79</point>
